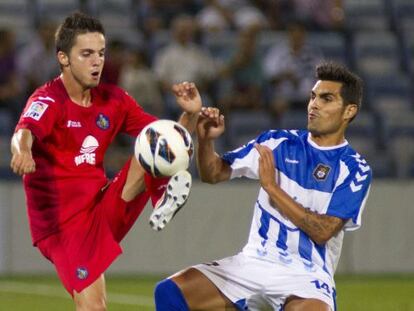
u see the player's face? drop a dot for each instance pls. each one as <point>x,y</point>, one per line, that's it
<point>86,59</point>
<point>326,108</point>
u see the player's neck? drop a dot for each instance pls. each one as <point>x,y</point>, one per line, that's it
<point>78,94</point>
<point>328,140</point>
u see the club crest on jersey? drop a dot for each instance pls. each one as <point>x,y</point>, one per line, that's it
<point>36,110</point>
<point>321,172</point>
<point>102,121</point>
<point>82,273</point>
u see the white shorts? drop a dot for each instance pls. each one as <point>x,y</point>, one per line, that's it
<point>254,284</point>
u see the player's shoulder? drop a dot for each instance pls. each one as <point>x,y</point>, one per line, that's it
<point>355,161</point>
<point>50,93</point>
<point>296,135</point>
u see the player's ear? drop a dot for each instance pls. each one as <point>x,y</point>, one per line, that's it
<point>63,59</point>
<point>350,111</point>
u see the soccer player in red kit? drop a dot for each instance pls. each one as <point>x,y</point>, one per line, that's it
<point>77,216</point>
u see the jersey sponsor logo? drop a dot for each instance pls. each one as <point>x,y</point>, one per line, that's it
<point>36,110</point>
<point>292,161</point>
<point>321,172</point>
<point>89,145</point>
<point>102,121</point>
<point>73,124</point>
<point>82,273</point>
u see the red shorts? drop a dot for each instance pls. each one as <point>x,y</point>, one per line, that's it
<point>86,246</point>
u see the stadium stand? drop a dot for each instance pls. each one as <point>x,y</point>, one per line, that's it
<point>375,40</point>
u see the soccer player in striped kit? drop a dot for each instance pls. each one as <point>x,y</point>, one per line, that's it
<point>313,188</point>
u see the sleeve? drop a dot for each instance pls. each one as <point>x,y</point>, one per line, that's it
<point>39,116</point>
<point>244,161</point>
<point>349,198</point>
<point>136,118</point>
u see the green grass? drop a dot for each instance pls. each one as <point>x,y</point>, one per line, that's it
<point>356,293</point>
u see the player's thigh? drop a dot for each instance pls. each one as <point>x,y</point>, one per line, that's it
<point>305,304</point>
<point>200,293</point>
<point>92,297</point>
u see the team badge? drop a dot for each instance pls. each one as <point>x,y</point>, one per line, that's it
<point>321,172</point>
<point>102,121</point>
<point>82,273</point>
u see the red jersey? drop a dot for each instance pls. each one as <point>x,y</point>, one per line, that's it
<point>69,148</point>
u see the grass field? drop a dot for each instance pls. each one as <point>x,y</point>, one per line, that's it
<point>356,293</point>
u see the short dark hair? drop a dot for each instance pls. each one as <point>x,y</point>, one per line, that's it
<point>73,25</point>
<point>352,85</point>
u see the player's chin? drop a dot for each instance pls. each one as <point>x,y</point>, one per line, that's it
<point>313,130</point>
<point>92,84</point>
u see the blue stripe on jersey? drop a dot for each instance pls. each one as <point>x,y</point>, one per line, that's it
<point>321,249</point>
<point>282,237</point>
<point>305,243</point>
<point>305,246</point>
<point>264,226</point>
<point>270,216</point>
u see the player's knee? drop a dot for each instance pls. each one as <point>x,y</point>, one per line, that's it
<point>168,297</point>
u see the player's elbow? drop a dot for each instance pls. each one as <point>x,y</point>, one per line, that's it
<point>321,239</point>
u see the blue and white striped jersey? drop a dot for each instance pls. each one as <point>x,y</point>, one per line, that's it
<point>327,180</point>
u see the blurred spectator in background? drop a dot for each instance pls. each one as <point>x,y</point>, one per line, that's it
<point>219,15</point>
<point>242,76</point>
<point>316,14</point>
<point>9,86</point>
<point>248,15</point>
<point>141,83</point>
<point>154,15</point>
<point>289,70</point>
<point>215,17</point>
<point>37,60</point>
<point>114,61</point>
<point>184,60</point>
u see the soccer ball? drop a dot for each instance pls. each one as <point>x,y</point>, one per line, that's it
<point>163,148</point>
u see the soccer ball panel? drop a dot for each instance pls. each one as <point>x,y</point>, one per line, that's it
<point>164,147</point>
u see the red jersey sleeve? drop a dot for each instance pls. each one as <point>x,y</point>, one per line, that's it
<point>136,118</point>
<point>39,116</point>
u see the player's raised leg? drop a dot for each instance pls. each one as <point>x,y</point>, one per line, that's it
<point>190,290</point>
<point>135,183</point>
<point>169,195</point>
<point>175,196</point>
<point>93,297</point>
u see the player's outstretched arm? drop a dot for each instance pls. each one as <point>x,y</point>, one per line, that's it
<point>211,168</point>
<point>189,99</point>
<point>21,148</point>
<point>320,228</point>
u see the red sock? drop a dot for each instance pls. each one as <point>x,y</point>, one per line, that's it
<point>156,186</point>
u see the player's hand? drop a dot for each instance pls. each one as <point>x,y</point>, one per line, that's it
<point>187,97</point>
<point>266,167</point>
<point>22,163</point>
<point>210,123</point>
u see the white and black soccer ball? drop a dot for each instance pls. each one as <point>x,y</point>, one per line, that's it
<point>164,147</point>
